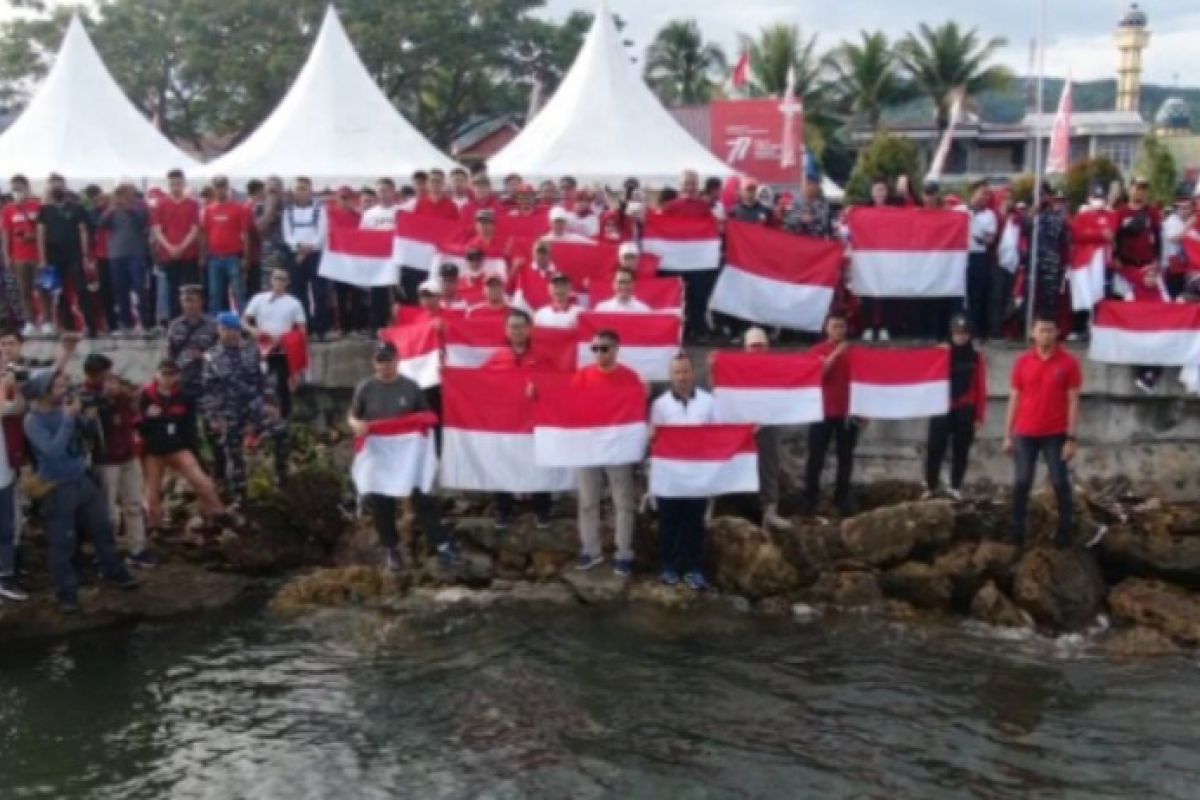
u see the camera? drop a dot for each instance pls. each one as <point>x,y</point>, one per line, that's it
<point>20,374</point>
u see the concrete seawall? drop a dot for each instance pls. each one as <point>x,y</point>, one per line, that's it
<point>1152,440</point>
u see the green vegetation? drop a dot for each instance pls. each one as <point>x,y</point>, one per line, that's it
<point>1157,164</point>
<point>886,157</point>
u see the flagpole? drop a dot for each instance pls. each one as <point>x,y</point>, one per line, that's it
<point>1031,291</point>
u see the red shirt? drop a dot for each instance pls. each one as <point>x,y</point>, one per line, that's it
<point>444,208</point>
<point>1138,248</point>
<point>592,377</point>
<point>509,359</point>
<point>20,226</point>
<point>1045,385</point>
<point>492,203</point>
<point>835,384</point>
<point>485,311</point>
<point>689,207</point>
<point>225,224</point>
<point>176,218</point>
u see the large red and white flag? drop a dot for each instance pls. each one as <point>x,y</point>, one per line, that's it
<point>487,437</point>
<point>648,341</point>
<point>703,460</point>
<point>418,345</point>
<point>663,295</point>
<point>360,257</point>
<point>530,288</point>
<point>1058,160</point>
<point>776,278</point>
<point>908,252</point>
<point>589,427</point>
<point>418,236</point>
<point>767,388</point>
<point>899,383</point>
<point>1146,334</point>
<point>471,342</point>
<point>396,457</point>
<point>1091,246</point>
<point>454,251</point>
<point>684,244</point>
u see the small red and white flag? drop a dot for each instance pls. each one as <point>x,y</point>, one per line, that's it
<point>908,252</point>
<point>684,244</point>
<point>1058,160</point>
<point>294,346</point>
<point>899,383</point>
<point>1146,334</point>
<point>418,236</point>
<point>396,457</point>
<point>487,438</point>
<point>471,342</point>
<point>418,345</point>
<point>767,388</point>
<point>703,460</point>
<point>777,278</point>
<point>589,427</point>
<point>648,341</point>
<point>663,295</point>
<point>360,257</point>
<point>743,73</point>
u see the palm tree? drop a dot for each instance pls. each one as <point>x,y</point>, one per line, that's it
<point>940,60</point>
<point>779,47</point>
<point>680,66</point>
<point>867,77</point>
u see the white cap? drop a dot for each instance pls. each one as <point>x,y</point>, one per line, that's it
<point>558,213</point>
<point>628,249</point>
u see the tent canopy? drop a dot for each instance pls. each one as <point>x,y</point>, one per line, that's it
<point>334,126</point>
<point>604,125</point>
<point>81,125</point>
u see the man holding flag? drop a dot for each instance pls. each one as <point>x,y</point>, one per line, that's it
<point>838,425</point>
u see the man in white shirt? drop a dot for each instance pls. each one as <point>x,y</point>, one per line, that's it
<point>1175,228</point>
<point>623,300</point>
<point>305,231</point>
<point>984,229</point>
<point>269,317</point>
<point>563,311</point>
<point>681,519</point>
<point>381,217</point>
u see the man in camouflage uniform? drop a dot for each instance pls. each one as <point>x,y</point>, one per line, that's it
<point>231,398</point>
<point>189,338</point>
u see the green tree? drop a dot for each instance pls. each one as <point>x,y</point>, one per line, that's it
<point>941,60</point>
<point>778,48</point>
<point>681,67</point>
<point>887,157</point>
<point>1084,174</point>
<point>1158,165</point>
<point>867,77</point>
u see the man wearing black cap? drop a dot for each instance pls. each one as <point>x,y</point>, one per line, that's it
<point>451,297</point>
<point>968,409</point>
<point>387,395</point>
<point>1052,227</point>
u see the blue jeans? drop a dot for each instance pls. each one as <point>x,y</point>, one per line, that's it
<point>71,507</point>
<point>225,276</point>
<point>1026,451</point>
<point>129,278</point>
<point>162,296</point>
<point>8,531</point>
<point>681,532</point>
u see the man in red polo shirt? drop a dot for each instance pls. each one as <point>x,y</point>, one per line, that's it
<point>226,225</point>
<point>18,226</point>
<point>436,202</point>
<point>838,424</point>
<point>176,234</point>
<point>1043,414</point>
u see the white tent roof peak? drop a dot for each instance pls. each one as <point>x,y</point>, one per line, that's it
<point>334,125</point>
<point>58,130</point>
<point>604,124</point>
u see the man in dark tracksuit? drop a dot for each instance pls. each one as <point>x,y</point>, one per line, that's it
<point>955,430</point>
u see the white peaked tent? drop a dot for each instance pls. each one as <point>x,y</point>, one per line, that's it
<point>334,126</point>
<point>604,125</point>
<point>81,125</point>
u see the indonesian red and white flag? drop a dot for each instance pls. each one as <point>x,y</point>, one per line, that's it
<point>767,388</point>
<point>360,257</point>
<point>1091,246</point>
<point>418,345</point>
<point>396,456</point>
<point>293,345</point>
<point>1058,160</point>
<point>663,295</point>
<point>589,427</point>
<point>530,288</point>
<point>908,252</point>
<point>487,438</point>
<point>1146,334</point>
<point>471,342</point>
<point>648,341</point>
<point>703,460</point>
<point>743,73</point>
<point>684,244</point>
<point>888,383</point>
<point>776,278</point>
<point>417,237</point>
<point>454,251</point>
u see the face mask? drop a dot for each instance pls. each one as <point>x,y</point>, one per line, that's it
<point>1096,203</point>
<point>58,195</point>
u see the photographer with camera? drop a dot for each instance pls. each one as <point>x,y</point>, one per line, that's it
<point>57,430</point>
<point>114,454</point>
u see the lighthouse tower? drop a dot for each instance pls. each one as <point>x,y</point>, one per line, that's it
<point>1132,38</point>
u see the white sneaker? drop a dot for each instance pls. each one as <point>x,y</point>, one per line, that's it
<point>869,335</point>
<point>771,519</point>
<point>28,330</point>
<point>954,494</point>
<point>47,329</point>
<point>928,494</point>
<point>883,335</point>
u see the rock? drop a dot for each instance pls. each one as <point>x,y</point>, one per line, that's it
<point>1139,642</point>
<point>1042,522</point>
<point>968,565</point>
<point>743,559</point>
<point>846,590</point>
<point>545,565</point>
<point>669,597</point>
<point>919,584</point>
<point>995,560</point>
<point>343,586</point>
<point>522,537</point>
<point>597,586</point>
<point>812,547</point>
<point>889,535</point>
<point>775,607</point>
<point>539,593</point>
<point>1062,589</point>
<point>1169,609</point>
<point>883,493</point>
<point>992,606</point>
<point>1152,546</point>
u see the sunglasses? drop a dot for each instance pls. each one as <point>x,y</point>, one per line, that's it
<point>601,348</point>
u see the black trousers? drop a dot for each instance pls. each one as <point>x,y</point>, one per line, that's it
<point>697,288</point>
<point>433,399</point>
<point>954,431</point>
<point>74,279</point>
<point>279,379</point>
<point>505,501</point>
<point>844,433</point>
<point>979,276</point>
<point>1026,451</point>
<point>180,274</point>
<point>1000,288</point>
<point>879,313</point>
<point>410,283</point>
<point>382,298</point>
<point>383,510</point>
<point>681,532</point>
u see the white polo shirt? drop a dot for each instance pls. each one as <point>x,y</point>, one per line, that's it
<point>273,315</point>
<point>379,218</point>
<point>614,305</point>
<point>551,317</point>
<point>983,226</point>
<point>667,409</point>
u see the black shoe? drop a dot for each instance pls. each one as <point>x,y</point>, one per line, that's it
<point>124,580</point>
